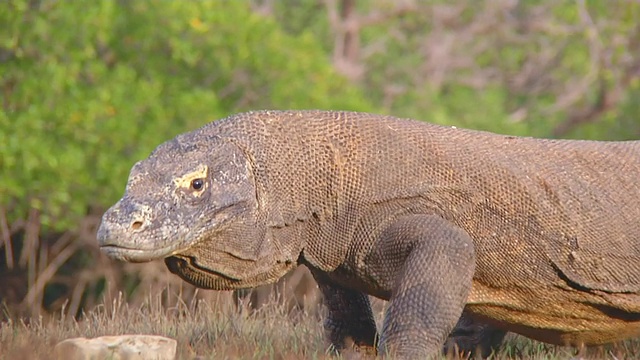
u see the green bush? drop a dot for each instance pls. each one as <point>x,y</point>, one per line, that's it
<point>91,87</point>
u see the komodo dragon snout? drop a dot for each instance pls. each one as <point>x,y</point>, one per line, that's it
<point>186,192</point>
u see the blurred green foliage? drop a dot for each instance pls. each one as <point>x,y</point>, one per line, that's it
<point>507,68</point>
<point>88,88</point>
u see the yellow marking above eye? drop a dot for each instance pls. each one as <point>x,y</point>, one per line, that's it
<point>185,180</point>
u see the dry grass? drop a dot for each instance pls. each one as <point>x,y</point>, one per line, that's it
<point>204,330</point>
<point>215,329</point>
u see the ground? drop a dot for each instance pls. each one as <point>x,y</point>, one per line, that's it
<point>215,329</point>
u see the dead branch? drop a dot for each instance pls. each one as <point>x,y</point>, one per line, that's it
<point>5,233</point>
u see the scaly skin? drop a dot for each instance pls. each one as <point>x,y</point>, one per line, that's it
<point>540,237</point>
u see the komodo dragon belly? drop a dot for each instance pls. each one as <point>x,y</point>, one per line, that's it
<point>564,316</point>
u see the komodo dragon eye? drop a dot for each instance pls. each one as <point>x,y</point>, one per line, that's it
<point>197,184</point>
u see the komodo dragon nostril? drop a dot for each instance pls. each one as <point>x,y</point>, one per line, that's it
<point>136,225</point>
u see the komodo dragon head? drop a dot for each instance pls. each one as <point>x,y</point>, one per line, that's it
<point>193,203</point>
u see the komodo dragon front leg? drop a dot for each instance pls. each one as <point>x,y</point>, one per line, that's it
<point>469,339</point>
<point>427,265</point>
<point>349,322</point>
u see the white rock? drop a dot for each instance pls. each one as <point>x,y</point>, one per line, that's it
<point>125,347</point>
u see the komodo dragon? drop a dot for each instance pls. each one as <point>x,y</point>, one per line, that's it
<point>539,237</point>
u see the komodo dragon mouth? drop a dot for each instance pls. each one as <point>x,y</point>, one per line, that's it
<point>137,255</point>
<point>145,244</point>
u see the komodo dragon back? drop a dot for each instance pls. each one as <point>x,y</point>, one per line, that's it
<point>535,236</point>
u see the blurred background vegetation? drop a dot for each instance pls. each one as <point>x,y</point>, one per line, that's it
<point>90,87</point>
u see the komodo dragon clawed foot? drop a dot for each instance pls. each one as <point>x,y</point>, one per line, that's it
<point>468,340</point>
